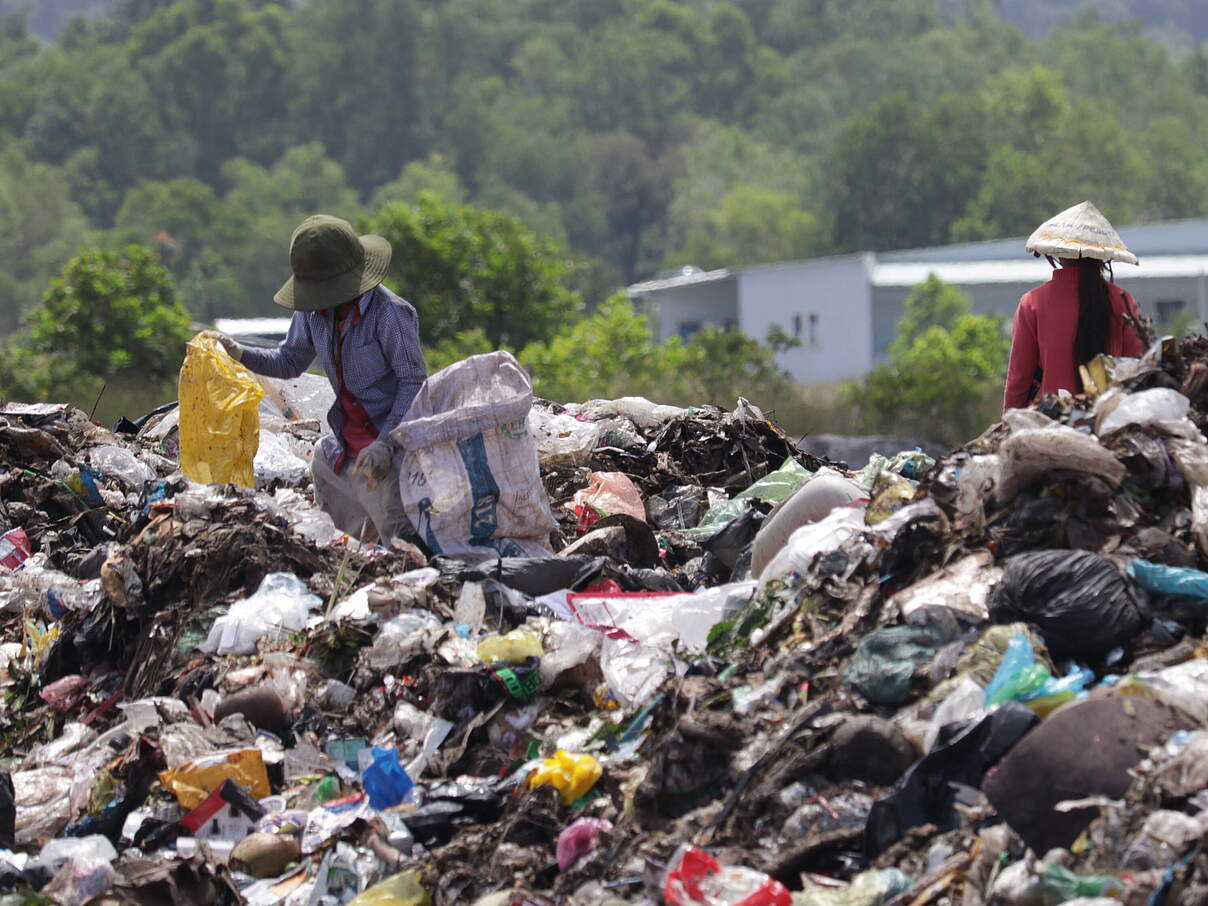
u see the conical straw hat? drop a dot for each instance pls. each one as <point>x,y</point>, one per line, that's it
<point>1080,232</point>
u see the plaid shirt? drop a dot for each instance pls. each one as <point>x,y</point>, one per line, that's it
<point>383,363</point>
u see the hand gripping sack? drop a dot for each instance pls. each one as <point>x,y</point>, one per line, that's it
<point>470,481</point>
<point>219,417</point>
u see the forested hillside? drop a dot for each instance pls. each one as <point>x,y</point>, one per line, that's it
<point>639,134</point>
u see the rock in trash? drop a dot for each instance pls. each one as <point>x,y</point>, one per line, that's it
<point>265,855</point>
<point>263,708</point>
<point>1085,749</point>
<point>872,749</point>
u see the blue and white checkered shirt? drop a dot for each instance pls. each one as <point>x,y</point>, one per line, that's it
<point>383,362</point>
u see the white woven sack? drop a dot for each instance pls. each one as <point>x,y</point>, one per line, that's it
<point>470,481</point>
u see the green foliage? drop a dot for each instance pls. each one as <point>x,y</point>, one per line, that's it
<point>933,303</point>
<point>751,225</point>
<point>944,376</point>
<point>434,174</point>
<point>466,268</point>
<point>111,314</point>
<point>40,228</point>
<point>637,135</point>
<point>605,355</point>
<point>458,347</point>
<point>614,353</point>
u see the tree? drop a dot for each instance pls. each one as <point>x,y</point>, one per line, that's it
<point>933,303</point>
<point>455,348</point>
<point>354,85</point>
<point>944,376</point>
<point>751,225</point>
<point>633,191</point>
<point>609,354</point>
<point>738,200</point>
<point>251,229</point>
<point>614,353</point>
<point>1050,150</point>
<point>40,228</point>
<point>433,174</point>
<point>901,173</point>
<point>176,216</point>
<point>111,314</point>
<point>220,73</point>
<point>467,268</point>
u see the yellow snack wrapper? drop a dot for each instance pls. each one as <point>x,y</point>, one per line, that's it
<point>194,780</point>
<point>572,775</point>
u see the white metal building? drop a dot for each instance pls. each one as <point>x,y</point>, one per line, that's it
<point>845,309</point>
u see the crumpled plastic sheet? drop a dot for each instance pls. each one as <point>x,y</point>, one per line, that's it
<point>639,410</point>
<point>1183,686</point>
<point>44,802</point>
<point>281,604</point>
<point>307,397</point>
<point>1030,454</point>
<point>1159,407</point>
<point>562,439</point>
<point>812,542</point>
<point>117,462</point>
<point>1192,459</point>
<point>775,487</point>
<point>276,461</point>
<point>963,586</point>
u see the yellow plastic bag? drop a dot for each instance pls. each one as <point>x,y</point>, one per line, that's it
<point>219,419</point>
<point>403,889</point>
<point>194,780</point>
<point>512,648</point>
<point>572,775</point>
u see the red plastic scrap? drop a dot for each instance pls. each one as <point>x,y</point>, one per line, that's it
<point>700,880</point>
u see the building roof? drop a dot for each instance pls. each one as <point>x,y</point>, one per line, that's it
<point>687,277</point>
<point>252,327</point>
<point>1169,237</point>
<point>1172,248</point>
<point>1028,270</point>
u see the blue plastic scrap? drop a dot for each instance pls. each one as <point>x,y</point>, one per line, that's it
<point>1177,581</point>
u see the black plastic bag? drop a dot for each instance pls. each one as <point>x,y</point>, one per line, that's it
<point>8,811</point>
<point>534,576</point>
<point>729,544</point>
<point>677,507</point>
<point>931,788</point>
<point>1079,601</point>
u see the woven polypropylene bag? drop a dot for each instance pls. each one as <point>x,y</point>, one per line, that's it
<point>470,482</point>
<point>219,418</point>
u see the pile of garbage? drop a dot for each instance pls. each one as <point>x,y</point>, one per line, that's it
<point>978,680</point>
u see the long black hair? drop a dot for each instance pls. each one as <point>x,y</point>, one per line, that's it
<point>1094,311</point>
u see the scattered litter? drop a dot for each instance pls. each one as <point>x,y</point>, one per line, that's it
<point>637,654</point>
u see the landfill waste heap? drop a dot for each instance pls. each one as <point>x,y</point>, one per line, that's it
<point>983,682</point>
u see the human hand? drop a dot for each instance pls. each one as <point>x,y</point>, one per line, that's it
<point>373,464</point>
<point>232,347</point>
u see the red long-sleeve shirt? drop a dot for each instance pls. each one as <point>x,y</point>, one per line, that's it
<point>1046,323</point>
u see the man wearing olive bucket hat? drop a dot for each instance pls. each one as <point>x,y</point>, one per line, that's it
<point>367,340</point>
<point>1076,315</point>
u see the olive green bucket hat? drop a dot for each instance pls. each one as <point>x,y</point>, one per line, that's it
<point>331,264</point>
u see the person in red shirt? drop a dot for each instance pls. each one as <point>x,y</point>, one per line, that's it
<point>1077,315</point>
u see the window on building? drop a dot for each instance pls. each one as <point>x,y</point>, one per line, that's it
<point>688,328</point>
<point>1168,309</point>
<point>797,327</point>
